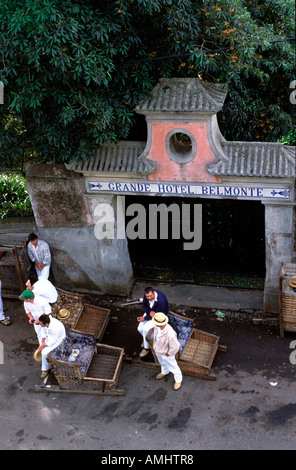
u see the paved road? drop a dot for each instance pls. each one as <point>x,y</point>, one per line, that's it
<point>251,405</point>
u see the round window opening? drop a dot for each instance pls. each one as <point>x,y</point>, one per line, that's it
<point>180,145</point>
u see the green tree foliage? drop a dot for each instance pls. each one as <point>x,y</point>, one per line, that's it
<point>289,139</point>
<point>73,71</point>
<point>14,197</point>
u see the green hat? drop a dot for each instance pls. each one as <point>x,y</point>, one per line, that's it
<point>27,294</point>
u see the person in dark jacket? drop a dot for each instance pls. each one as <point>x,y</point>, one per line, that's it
<point>153,301</point>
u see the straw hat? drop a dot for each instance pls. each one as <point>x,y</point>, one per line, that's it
<point>292,282</point>
<point>160,319</point>
<point>37,355</point>
<point>63,314</point>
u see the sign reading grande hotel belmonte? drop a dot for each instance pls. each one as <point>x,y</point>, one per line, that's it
<point>188,189</point>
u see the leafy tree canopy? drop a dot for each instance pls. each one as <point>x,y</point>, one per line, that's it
<point>73,71</point>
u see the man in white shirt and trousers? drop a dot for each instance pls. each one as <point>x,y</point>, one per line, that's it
<point>166,346</point>
<point>52,334</point>
<point>42,287</point>
<point>34,307</point>
<point>39,253</point>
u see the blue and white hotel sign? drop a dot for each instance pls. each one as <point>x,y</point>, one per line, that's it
<point>189,189</point>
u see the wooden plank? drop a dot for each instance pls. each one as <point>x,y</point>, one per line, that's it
<point>10,296</point>
<point>209,376</point>
<point>183,317</point>
<point>17,267</point>
<point>140,363</point>
<point>152,365</point>
<point>131,303</point>
<point>288,327</point>
<point>56,389</point>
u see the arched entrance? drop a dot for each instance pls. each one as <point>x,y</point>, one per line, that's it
<point>232,252</point>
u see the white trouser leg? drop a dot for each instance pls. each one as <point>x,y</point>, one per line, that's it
<point>143,329</point>
<point>169,364</point>
<point>38,329</point>
<point>44,352</point>
<point>2,316</point>
<point>43,272</point>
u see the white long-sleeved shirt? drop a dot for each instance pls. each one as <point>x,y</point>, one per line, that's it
<point>54,333</point>
<point>38,307</point>
<point>165,341</point>
<point>44,288</point>
<point>41,253</point>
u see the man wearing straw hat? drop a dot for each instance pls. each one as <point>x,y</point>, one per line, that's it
<point>53,333</point>
<point>166,346</point>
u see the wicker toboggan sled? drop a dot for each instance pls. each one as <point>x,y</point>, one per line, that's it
<point>287,299</point>
<point>95,370</point>
<point>198,348</point>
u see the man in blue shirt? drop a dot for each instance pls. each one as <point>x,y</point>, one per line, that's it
<point>154,301</point>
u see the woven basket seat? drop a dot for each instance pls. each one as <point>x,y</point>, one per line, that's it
<point>84,317</point>
<point>287,299</point>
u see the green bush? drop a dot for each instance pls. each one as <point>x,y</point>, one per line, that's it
<point>14,197</point>
<point>289,139</point>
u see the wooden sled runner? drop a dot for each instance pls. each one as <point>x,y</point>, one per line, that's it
<point>94,371</point>
<point>197,352</point>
